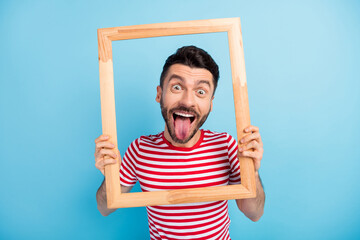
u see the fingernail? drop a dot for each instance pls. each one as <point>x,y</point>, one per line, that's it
<point>242,140</point>
<point>240,149</point>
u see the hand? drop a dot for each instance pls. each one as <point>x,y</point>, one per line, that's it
<point>252,146</point>
<point>103,147</point>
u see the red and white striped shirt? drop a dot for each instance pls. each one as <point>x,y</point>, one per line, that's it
<point>158,165</point>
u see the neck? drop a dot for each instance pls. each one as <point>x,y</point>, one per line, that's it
<point>188,144</point>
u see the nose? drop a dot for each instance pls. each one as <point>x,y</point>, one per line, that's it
<point>188,98</point>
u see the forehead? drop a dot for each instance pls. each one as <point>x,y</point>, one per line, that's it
<point>189,74</point>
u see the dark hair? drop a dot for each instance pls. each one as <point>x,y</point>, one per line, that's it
<point>193,57</point>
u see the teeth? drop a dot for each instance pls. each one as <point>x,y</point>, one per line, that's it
<point>184,114</point>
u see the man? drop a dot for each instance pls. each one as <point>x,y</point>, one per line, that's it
<point>185,156</point>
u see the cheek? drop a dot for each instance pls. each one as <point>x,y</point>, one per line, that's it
<point>205,106</point>
<point>170,99</point>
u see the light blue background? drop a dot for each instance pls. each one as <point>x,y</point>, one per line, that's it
<point>302,63</point>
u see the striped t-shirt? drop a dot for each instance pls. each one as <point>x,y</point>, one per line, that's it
<point>158,165</point>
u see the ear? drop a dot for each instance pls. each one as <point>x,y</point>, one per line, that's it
<point>158,94</point>
<point>211,103</point>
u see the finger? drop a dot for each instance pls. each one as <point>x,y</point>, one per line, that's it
<point>103,152</point>
<point>101,164</point>
<point>105,144</point>
<point>102,138</point>
<point>254,136</point>
<point>251,145</point>
<point>99,156</point>
<point>249,154</point>
<point>251,129</point>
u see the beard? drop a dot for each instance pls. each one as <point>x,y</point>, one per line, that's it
<point>168,116</point>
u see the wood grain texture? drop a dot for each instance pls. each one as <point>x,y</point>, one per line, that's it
<point>140,199</point>
<point>241,102</point>
<point>168,29</point>
<point>109,126</point>
<point>247,188</point>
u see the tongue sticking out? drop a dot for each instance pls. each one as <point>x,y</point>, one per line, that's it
<point>182,127</point>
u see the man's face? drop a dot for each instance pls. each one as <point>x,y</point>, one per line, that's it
<point>185,100</point>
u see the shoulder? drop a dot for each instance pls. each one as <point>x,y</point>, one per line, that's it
<point>210,135</point>
<point>142,142</point>
<point>153,139</point>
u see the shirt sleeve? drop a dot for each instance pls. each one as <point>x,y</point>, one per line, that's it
<point>234,161</point>
<point>128,164</point>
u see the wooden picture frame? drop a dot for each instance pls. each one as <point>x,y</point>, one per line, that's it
<point>247,188</point>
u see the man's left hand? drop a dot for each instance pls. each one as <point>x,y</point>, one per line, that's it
<point>251,146</point>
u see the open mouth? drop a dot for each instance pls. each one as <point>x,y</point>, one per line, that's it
<point>183,116</point>
<point>182,123</point>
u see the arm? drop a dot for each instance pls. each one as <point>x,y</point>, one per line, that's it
<point>102,200</point>
<point>251,146</point>
<point>103,148</point>
<point>253,208</point>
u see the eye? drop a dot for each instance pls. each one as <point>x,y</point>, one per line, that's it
<point>177,87</point>
<point>201,92</point>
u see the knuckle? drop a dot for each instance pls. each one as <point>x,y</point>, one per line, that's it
<point>109,161</point>
<point>103,151</point>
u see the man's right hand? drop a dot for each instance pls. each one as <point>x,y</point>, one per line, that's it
<point>103,147</point>
<point>105,154</point>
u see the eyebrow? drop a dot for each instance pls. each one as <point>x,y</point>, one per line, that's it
<point>204,81</point>
<point>175,76</point>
